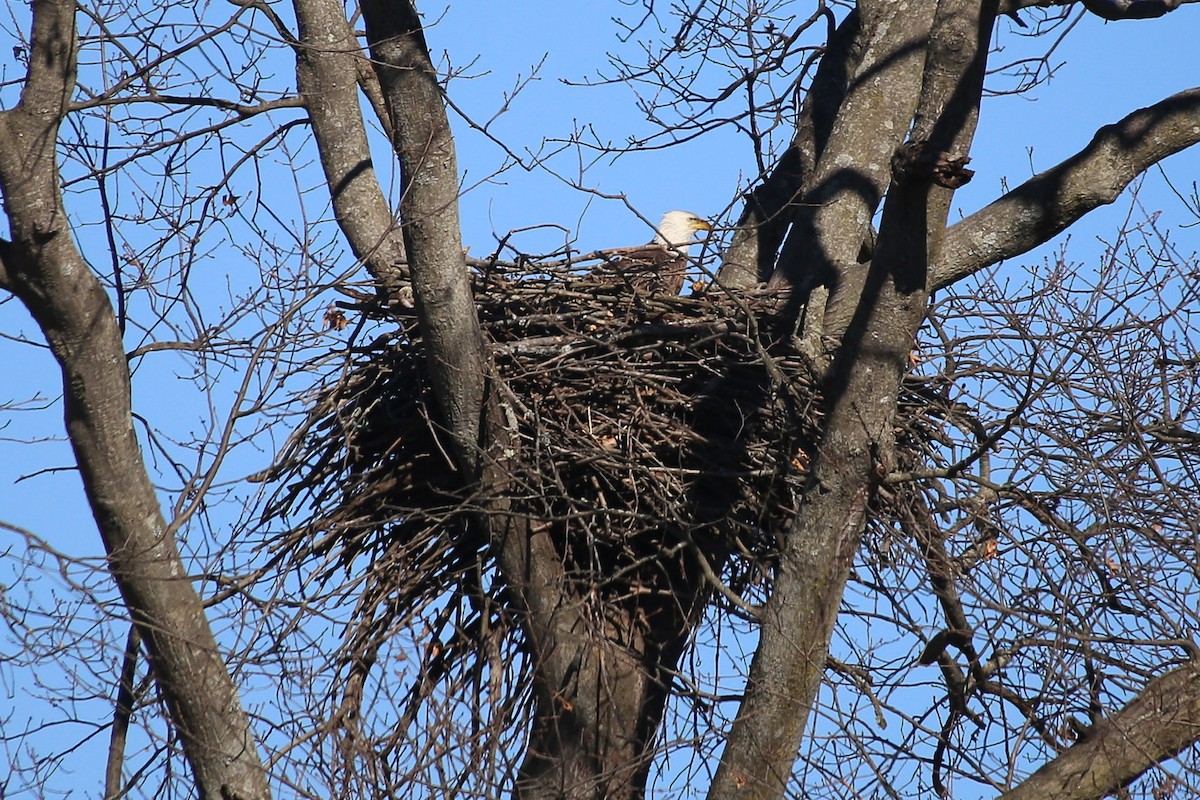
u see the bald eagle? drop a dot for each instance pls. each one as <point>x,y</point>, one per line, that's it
<point>659,266</point>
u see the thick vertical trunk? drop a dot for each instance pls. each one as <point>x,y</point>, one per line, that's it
<point>429,221</point>
<point>43,268</point>
<point>598,695</point>
<point>873,314</point>
<point>598,700</point>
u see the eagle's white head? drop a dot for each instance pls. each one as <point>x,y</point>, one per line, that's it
<point>678,228</point>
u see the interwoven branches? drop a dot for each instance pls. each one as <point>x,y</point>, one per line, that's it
<point>663,442</point>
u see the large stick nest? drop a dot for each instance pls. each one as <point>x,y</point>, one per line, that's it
<point>650,430</point>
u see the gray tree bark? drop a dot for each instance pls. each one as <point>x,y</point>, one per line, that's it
<point>600,685</point>
<point>928,59</point>
<point>1050,202</point>
<point>429,222</point>
<point>42,267</point>
<point>328,61</point>
<point>601,679</point>
<point>1159,723</point>
<point>774,204</point>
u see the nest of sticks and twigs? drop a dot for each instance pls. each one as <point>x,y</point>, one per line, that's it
<point>652,430</point>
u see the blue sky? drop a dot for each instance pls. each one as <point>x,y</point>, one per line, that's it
<point>1102,72</point>
<point>1107,70</point>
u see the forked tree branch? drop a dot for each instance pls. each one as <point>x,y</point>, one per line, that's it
<point>570,663</point>
<point>770,206</point>
<point>327,75</point>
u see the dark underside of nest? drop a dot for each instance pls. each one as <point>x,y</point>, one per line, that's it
<point>662,441</point>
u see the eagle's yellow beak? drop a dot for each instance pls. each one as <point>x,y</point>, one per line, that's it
<point>701,224</point>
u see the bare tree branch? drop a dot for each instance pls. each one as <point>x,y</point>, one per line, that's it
<point>327,74</point>
<point>1159,723</point>
<point>124,703</point>
<point>1108,9</point>
<point>848,182</point>
<point>1050,202</point>
<point>771,206</point>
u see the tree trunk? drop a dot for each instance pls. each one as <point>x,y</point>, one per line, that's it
<point>327,76</point>
<point>44,269</point>
<point>600,687</point>
<point>874,317</point>
<point>600,695</point>
<point>429,220</point>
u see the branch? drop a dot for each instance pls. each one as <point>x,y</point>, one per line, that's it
<point>122,714</point>
<point>1108,9</point>
<point>239,110</point>
<point>817,546</point>
<point>769,206</point>
<point>1156,725</point>
<point>429,216</point>
<point>5,257</point>
<point>51,60</point>
<point>327,75</point>
<point>1052,201</point>
<point>853,168</point>
<point>1130,9</point>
